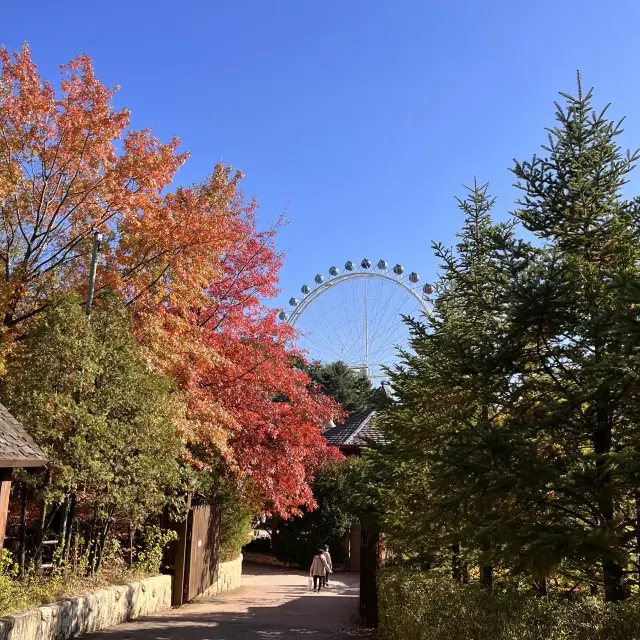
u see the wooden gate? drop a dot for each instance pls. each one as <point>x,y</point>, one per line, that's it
<point>193,557</point>
<point>201,558</point>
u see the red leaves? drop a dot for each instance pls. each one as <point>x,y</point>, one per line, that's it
<point>274,415</point>
<point>191,263</point>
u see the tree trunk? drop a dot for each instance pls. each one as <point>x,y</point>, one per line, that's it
<point>540,585</point>
<point>62,532</point>
<point>369,559</point>
<point>71,518</point>
<point>464,565</point>
<point>104,532</point>
<point>23,528</point>
<point>486,576</point>
<point>456,566</point>
<point>76,545</point>
<point>612,571</point>
<point>92,540</point>
<point>486,569</point>
<point>131,533</point>
<point>636,498</point>
<point>42,525</point>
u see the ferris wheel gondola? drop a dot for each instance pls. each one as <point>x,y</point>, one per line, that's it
<point>357,315</point>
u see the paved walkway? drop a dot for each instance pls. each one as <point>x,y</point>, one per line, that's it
<point>272,603</point>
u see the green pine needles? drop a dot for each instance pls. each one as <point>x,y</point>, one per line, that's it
<point>513,452</point>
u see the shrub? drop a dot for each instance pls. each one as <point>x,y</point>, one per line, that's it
<point>34,588</point>
<point>155,539</point>
<point>259,545</point>
<point>235,524</point>
<point>417,606</point>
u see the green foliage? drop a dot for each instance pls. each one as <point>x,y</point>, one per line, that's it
<point>235,521</point>
<point>348,387</point>
<point>437,463</point>
<point>155,539</point>
<point>8,575</point>
<point>298,539</point>
<point>514,441</point>
<point>415,606</point>
<point>105,420</point>
<point>20,592</point>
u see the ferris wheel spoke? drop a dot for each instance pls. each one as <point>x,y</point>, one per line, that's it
<point>383,311</point>
<point>394,314</point>
<point>327,349</point>
<point>357,303</point>
<point>352,337</point>
<point>357,317</point>
<point>347,318</point>
<point>321,333</point>
<point>319,346</point>
<point>332,342</point>
<point>386,350</point>
<point>386,332</point>
<point>382,319</point>
<point>391,317</point>
<point>375,302</point>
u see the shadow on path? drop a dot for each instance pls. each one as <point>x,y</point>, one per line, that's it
<point>272,603</point>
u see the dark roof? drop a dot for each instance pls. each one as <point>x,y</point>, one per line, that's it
<point>17,448</point>
<point>357,431</point>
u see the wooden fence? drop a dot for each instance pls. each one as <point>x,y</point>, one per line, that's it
<point>193,557</point>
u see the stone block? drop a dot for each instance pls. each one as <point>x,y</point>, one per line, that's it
<point>228,578</point>
<point>84,614</point>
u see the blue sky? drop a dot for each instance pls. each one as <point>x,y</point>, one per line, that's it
<point>361,118</point>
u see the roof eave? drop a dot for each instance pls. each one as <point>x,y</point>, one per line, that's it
<point>15,463</point>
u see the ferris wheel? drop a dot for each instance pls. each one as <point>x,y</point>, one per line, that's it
<point>356,315</point>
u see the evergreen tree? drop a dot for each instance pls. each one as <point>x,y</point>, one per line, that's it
<point>571,312</point>
<point>515,437</point>
<point>441,435</point>
<point>348,387</point>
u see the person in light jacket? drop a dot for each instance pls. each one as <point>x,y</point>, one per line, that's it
<point>319,569</point>
<point>327,557</point>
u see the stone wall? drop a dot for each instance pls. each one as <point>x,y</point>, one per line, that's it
<point>228,577</point>
<point>84,614</point>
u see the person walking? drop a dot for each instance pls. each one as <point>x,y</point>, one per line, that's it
<point>319,569</point>
<point>327,557</point>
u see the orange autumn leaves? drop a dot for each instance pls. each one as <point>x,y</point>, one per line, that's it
<point>191,264</point>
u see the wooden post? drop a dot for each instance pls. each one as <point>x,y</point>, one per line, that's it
<point>5,490</point>
<point>369,561</point>
<point>177,598</point>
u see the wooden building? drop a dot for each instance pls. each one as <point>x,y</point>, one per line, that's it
<point>17,451</point>
<point>353,434</point>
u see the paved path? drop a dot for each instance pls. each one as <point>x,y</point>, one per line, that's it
<point>271,604</point>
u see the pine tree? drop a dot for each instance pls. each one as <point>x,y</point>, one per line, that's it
<point>442,434</point>
<point>569,313</point>
<point>352,390</point>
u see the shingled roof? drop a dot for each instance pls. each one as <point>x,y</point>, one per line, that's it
<point>17,448</point>
<point>357,431</point>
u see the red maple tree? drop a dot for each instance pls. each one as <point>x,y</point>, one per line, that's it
<point>190,263</point>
